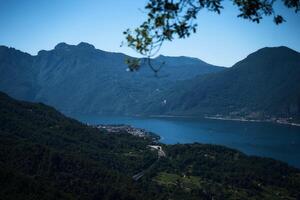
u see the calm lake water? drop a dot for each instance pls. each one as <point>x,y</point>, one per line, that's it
<point>281,142</point>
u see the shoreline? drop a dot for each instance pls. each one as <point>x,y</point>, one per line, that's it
<point>282,121</point>
<point>277,121</point>
<point>172,116</point>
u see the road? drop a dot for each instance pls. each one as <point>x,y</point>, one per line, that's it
<point>160,153</point>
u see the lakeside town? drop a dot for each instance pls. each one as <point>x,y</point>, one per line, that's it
<point>124,128</point>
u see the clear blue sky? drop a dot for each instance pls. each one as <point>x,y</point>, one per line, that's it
<point>32,25</point>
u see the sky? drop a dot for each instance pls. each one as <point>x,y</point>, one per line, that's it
<point>34,25</point>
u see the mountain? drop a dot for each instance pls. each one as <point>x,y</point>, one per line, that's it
<point>45,155</point>
<point>17,73</point>
<point>82,79</point>
<point>263,85</point>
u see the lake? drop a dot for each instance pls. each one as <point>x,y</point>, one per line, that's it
<point>281,142</point>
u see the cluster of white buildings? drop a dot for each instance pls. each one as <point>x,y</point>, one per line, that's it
<point>124,128</point>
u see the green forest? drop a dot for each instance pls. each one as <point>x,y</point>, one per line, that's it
<point>45,155</point>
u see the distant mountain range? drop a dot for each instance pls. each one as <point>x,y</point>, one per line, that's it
<point>264,85</point>
<point>82,79</point>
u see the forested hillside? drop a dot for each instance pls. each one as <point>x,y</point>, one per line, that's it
<point>45,155</point>
<point>263,85</point>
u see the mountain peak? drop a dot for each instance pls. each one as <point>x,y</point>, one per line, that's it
<point>274,50</point>
<point>62,45</point>
<point>85,45</point>
<point>81,45</point>
<point>270,53</point>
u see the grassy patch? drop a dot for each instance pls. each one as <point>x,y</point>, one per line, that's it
<point>182,181</point>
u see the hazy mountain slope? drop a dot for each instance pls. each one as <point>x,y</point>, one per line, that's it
<point>17,75</point>
<point>266,83</point>
<point>80,78</point>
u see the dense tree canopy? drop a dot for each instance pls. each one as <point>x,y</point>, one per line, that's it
<point>169,19</point>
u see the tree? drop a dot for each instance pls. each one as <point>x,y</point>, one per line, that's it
<point>168,19</point>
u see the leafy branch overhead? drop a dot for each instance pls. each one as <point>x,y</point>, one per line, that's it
<point>169,19</point>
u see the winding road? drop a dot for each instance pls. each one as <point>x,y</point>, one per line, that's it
<point>160,153</point>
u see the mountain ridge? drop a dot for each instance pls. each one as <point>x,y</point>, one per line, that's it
<point>80,78</point>
<point>262,84</point>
